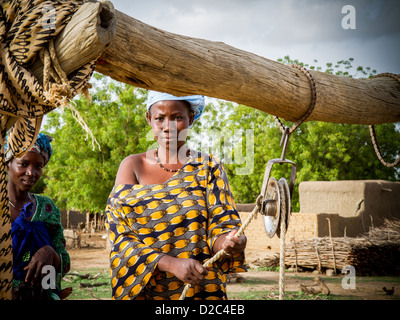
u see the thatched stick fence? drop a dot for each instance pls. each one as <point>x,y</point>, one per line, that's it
<point>376,252</point>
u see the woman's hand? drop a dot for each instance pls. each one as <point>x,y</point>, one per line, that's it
<point>231,244</point>
<point>44,256</point>
<point>187,270</point>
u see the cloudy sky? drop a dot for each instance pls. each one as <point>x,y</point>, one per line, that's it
<point>303,29</point>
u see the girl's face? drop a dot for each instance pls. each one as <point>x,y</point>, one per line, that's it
<point>26,171</point>
<point>170,121</point>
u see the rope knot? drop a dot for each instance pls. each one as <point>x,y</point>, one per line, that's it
<point>259,202</point>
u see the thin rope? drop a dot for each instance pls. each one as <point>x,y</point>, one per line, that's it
<point>222,252</point>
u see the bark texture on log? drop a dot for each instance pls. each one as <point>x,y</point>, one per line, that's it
<point>150,58</point>
<point>90,31</point>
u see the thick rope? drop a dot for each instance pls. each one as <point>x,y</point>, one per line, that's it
<point>59,92</point>
<point>282,247</point>
<point>311,107</point>
<point>373,133</point>
<point>222,252</point>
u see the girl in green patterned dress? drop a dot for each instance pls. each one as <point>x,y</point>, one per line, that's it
<point>37,234</point>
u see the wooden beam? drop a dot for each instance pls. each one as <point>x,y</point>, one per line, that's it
<point>150,58</point>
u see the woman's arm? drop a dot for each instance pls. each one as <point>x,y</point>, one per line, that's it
<point>224,220</point>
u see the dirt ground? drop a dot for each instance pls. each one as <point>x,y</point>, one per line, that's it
<point>94,254</point>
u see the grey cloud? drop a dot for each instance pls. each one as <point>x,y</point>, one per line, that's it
<point>301,28</point>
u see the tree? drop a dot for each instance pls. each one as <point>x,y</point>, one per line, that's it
<point>80,176</point>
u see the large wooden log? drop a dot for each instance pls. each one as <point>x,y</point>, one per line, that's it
<point>151,58</point>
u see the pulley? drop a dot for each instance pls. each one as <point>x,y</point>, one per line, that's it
<point>277,194</point>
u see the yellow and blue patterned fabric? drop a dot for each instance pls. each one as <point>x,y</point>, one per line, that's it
<point>182,218</point>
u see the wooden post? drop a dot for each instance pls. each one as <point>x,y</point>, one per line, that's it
<point>333,248</point>
<point>150,58</point>
<point>68,221</point>
<point>295,254</point>
<point>316,249</point>
<point>88,226</point>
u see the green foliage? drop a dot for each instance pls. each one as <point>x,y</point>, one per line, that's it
<point>340,68</point>
<point>78,175</point>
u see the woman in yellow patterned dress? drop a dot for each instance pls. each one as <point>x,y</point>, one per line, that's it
<point>171,210</point>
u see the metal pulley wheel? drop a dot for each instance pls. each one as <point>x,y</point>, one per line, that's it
<point>285,204</point>
<point>276,203</point>
<point>272,207</point>
<point>277,198</point>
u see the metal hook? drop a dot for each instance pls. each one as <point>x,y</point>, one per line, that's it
<point>284,142</point>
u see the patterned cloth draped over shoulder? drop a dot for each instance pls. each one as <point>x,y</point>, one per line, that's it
<point>26,28</point>
<point>182,218</point>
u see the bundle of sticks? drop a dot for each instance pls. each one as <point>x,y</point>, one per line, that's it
<point>376,252</point>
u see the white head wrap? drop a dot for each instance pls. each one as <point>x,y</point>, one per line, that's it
<point>197,103</point>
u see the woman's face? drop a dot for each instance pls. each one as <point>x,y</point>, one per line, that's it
<point>170,121</point>
<point>26,171</point>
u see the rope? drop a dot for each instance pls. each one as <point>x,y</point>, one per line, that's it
<point>60,92</point>
<point>373,133</point>
<point>282,248</point>
<point>222,252</point>
<point>288,132</point>
<point>313,101</point>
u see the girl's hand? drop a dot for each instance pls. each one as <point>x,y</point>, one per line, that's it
<point>44,256</point>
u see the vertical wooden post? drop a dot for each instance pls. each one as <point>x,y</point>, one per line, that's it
<point>68,222</point>
<point>333,248</point>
